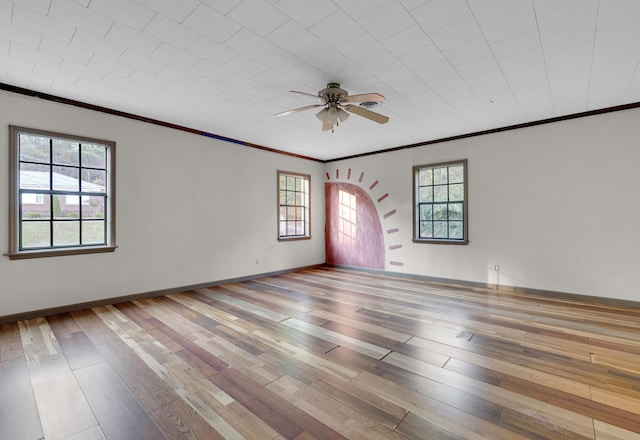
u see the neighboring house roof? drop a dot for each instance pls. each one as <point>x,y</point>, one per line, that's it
<point>40,180</point>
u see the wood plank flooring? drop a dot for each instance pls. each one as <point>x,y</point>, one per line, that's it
<point>325,353</point>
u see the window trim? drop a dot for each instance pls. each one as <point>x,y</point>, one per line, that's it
<point>14,252</point>
<point>465,208</point>
<point>307,235</point>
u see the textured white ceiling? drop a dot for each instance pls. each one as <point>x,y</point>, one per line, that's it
<point>446,67</point>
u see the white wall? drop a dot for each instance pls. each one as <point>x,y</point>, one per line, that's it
<point>190,210</point>
<point>556,206</point>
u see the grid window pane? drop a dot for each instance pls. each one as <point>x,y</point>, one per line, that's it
<point>440,176</point>
<point>66,152</point>
<point>66,233</point>
<point>93,180</point>
<point>94,156</point>
<point>93,232</point>
<point>34,148</point>
<point>34,176</point>
<point>66,178</point>
<point>441,193</point>
<point>426,212</point>
<point>440,230</point>
<point>456,230</point>
<point>92,207</point>
<point>66,206</point>
<point>426,229</point>
<point>439,208</point>
<point>456,192</point>
<point>440,212</point>
<point>35,234</point>
<point>291,198</point>
<point>455,211</point>
<point>426,177</point>
<point>456,174</point>
<point>35,206</point>
<point>426,194</point>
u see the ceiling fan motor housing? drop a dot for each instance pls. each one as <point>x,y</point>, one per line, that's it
<point>333,93</point>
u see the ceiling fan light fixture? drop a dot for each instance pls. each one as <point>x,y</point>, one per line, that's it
<point>327,125</point>
<point>332,114</point>
<point>322,114</point>
<point>342,115</point>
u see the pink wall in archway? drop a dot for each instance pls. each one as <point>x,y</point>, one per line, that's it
<point>353,230</point>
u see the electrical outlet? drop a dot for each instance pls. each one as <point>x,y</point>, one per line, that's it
<point>257,260</point>
<point>496,268</point>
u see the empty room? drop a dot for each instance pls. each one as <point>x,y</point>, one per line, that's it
<point>328,219</point>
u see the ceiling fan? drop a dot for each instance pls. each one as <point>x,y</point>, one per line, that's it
<point>338,104</point>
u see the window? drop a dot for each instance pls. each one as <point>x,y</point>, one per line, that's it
<point>440,207</point>
<point>293,206</point>
<point>347,224</point>
<point>62,194</point>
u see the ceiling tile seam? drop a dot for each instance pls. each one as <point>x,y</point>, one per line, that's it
<point>636,73</point>
<point>500,68</point>
<point>37,14</point>
<point>188,15</point>
<point>13,47</point>
<point>430,39</point>
<point>451,65</point>
<point>593,49</point>
<point>544,59</point>
<point>153,51</point>
<point>266,37</point>
<point>221,42</point>
<point>69,43</point>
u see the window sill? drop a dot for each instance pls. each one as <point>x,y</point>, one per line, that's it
<point>429,241</point>
<point>23,255</point>
<point>294,238</point>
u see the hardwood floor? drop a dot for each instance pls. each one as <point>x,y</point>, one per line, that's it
<point>327,354</point>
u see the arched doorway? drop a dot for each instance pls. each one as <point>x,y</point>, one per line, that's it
<point>353,230</point>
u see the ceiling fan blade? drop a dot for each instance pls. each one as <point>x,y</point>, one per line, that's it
<point>300,109</point>
<point>365,97</point>
<point>305,93</point>
<point>373,116</point>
